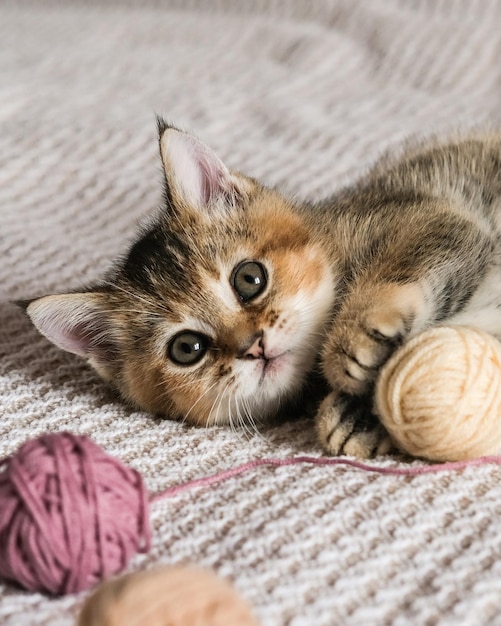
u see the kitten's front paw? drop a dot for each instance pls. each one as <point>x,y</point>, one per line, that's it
<point>369,327</point>
<point>346,425</point>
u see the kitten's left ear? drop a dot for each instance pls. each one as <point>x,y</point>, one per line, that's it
<point>196,177</point>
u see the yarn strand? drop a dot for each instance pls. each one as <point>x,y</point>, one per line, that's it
<point>224,475</point>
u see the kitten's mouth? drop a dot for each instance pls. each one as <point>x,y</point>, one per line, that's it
<point>272,366</point>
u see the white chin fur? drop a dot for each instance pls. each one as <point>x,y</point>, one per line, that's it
<point>261,392</point>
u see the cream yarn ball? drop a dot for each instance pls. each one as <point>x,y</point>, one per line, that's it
<point>439,396</point>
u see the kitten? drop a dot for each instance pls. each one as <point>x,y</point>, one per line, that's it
<point>234,295</point>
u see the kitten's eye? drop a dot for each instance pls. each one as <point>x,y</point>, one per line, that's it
<point>187,348</point>
<point>249,280</point>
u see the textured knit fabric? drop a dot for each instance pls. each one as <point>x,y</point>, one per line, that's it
<point>300,94</point>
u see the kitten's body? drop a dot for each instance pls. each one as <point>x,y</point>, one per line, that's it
<point>233,295</point>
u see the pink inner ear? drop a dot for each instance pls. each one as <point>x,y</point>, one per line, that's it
<point>195,171</point>
<point>213,180</point>
<point>213,177</point>
<point>73,325</point>
<point>83,338</point>
<point>88,338</point>
<point>70,338</point>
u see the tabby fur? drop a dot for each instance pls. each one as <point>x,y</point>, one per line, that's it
<point>336,286</point>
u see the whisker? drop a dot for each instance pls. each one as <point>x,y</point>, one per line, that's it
<point>154,303</point>
<point>180,387</point>
<point>244,425</point>
<point>209,417</point>
<point>199,399</point>
<point>230,415</point>
<point>139,312</point>
<point>220,402</point>
<point>251,420</point>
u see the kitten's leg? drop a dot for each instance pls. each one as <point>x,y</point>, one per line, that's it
<point>373,321</point>
<point>412,280</point>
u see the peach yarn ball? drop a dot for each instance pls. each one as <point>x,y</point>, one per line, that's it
<point>439,396</point>
<point>166,596</point>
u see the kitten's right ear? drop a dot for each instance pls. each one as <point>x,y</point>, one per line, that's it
<point>196,177</point>
<point>79,323</point>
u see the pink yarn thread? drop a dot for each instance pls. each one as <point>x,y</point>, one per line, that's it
<point>208,481</point>
<point>71,515</point>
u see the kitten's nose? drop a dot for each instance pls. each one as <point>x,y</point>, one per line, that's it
<point>256,349</point>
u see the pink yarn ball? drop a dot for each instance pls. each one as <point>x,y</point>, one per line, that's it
<point>70,514</point>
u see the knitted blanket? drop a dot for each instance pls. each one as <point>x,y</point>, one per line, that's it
<point>300,94</point>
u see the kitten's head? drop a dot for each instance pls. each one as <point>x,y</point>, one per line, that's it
<point>215,315</point>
